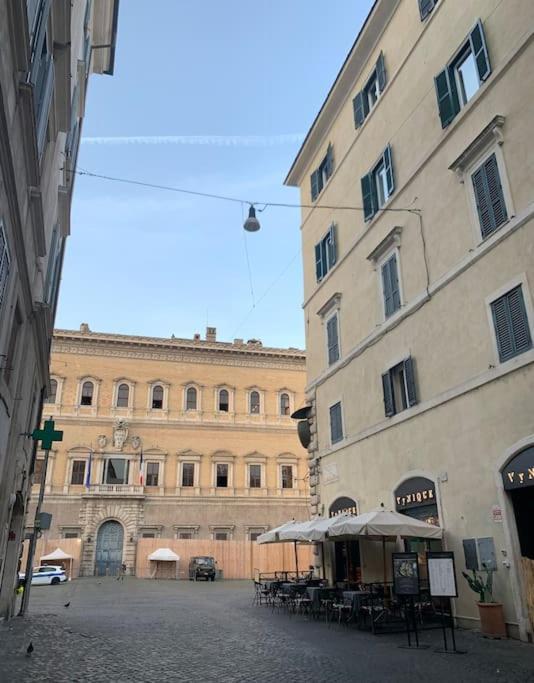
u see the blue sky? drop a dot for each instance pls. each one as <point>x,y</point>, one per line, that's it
<point>149,262</point>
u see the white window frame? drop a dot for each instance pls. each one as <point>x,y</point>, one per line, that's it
<point>230,399</point>
<point>333,314</point>
<point>103,472</point>
<point>165,407</point>
<point>262,401</point>
<point>78,458</point>
<point>230,483</point>
<point>145,472</point>
<point>521,280</point>
<point>192,385</point>
<point>294,475</point>
<point>131,387</point>
<point>290,394</point>
<point>195,474</point>
<point>96,386</point>
<point>59,390</point>
<point>262,476</point>
<point>392,251</point>
<point>343,432</point>
<point>228,530</point>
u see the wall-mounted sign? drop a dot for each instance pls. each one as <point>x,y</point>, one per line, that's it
<point>519,472</point>
<point>343,506</point>
<point>415,492</point>
<point>405,574</point>
<point>441,575</point>
<point>496,513</point>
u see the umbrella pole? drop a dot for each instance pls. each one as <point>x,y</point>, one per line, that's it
<point>296,560</point>
<point>384,559</point>
<point>322,560</point>
<point>347,562</point>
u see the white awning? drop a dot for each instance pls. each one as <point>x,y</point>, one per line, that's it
<point>273,535</point>
<point>382,523</point>
<point>58,554</point>
<point>314,530</point>
<point>164,555</point>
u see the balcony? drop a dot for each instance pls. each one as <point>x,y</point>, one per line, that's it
<point>124,490</point>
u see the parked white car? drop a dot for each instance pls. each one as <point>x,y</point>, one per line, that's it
<point>46,574</point>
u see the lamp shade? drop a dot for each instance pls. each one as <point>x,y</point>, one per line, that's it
<point>252,224</point>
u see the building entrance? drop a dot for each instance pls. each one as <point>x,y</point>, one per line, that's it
<point>518,480</point>
<point>109,543</point>
<point>347,564</point>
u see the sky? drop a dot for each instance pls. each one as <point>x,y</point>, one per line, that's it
<point>213,97</point>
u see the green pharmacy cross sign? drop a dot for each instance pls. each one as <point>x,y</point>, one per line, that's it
<point>47,435</point>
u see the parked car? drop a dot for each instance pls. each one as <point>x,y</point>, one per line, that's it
<point>45,575</point>
<point>202,568</point>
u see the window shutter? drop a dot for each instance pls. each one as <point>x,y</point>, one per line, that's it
<point>387,290</point>
<point>485,215</point>
<point>318,262</point>
<point>336,428</point>
<point>519,320</point>
<point>388,166</point>
<point>359,113</point>
<point>40,23</point>
<point>368,196</point>
<point>425,7</point>
<point>394,283</point>
<point>495,193</point>
<point>389,401</point>
<point>329,168</point>
<point>409,377</point>
<point>332,340</point>
<point>480,51</point>
<point>448,103</point>
<point>332,246</point>
<point>381,72</point>
<point>314,178</point>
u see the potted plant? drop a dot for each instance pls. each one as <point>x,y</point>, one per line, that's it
<point>491,612</point>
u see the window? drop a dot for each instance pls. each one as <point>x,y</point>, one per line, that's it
<point>222,476</point>
<point>87,394</point>
<point>41,75</point>
<point>320,176</point>
<point>325,254</point>
<point>284,404</point>
<point>185,535</point>
<point>71,534</point>
<point>51,398</point>
<point>152,473</point>
<point>332,339</point>
<point>157,397</point>
<point>123,396</point>
<point>224,401</point>
<point>221,535</point>
<point>366,99</point>
<point>188,474</point>
<point>115,471</point>
<point>254,535</point>
<point>38,471</point>
<point>336,423</point>
<point>398,385</point>
<point>463,76</point>
<point>378,185</point>
<point>5,264</point>
<point>11,356</point>
<point>78,472</point>
<point>489,196</point>
<point>148,535</point>
<point>191,399</point>
<point>53,269</point>
<point>425,7</point>
<point>287,476</point>
<point>254,476</point>
<point>390,286</point>
<point>511,325</point>
<point>254,402</point>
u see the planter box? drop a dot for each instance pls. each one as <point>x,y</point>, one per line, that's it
<point>492,619</point>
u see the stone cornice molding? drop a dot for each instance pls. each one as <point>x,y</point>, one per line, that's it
<point>491,134</point>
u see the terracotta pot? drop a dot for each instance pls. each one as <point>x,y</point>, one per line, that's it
<point>492,619</point>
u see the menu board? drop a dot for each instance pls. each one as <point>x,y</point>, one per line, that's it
<point>405,574</point>
<point>442,575</point>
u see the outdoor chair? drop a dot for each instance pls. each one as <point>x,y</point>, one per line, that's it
<point>343,609</point>
<point>262,594</point>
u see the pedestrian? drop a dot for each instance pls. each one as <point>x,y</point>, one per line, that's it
<point>123,571</point>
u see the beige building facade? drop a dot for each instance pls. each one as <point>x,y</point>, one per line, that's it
<point>170,439</point>
<point>419,286</point>
<point>47,52</point>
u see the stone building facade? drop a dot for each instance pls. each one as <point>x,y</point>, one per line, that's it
<point>171,438</point>
<point>48,50</point>
<point>420,358</point>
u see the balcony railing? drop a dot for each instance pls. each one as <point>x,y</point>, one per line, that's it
<point>114,489</point>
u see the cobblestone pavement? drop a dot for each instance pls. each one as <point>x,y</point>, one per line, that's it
<point>150,631</point>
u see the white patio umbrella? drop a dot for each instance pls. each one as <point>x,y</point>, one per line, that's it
<point>275,536</point>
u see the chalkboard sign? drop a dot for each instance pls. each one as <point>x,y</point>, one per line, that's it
<point>405,574</point>
<point>441,574</point>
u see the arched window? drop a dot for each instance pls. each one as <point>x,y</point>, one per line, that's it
<point>191,399</point>
<point>224,401</point>
<point>157,397</point>
<point>123,395</point>
<point>51,398</point>
<point>284,404</point>
<point>87,394</point>
<point>254,402</point>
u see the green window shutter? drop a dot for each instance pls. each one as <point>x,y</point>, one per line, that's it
<point>314,179</point>
<point>329,169</point>
<point>425,7</point>
<point>503,329</point>
<point>318,262</point>
<point>332,340</point>
<point>332,246</point>
<point>389,401</point>
<point>381,72</point>
<point>480,51</point>
<point>519,321</point>
<point>387,290</point>
<point>38,38</point>
<point>358,107</point>
<point>409,376</point>
<point>388,165</point>
<point>489,196</point>
<point>448,103</point>
<point>394,283</point>
<point>368,196</point>
<point>336,425</point>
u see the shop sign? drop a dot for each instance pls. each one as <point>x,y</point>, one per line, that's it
<point>519,472</point>
<point>405,574</point>
<point>415,492</point>
<point>343,506</point>
<point>496,513</point>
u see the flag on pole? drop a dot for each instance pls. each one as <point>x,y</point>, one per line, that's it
<point>88,474</point>
<point>141,469</point>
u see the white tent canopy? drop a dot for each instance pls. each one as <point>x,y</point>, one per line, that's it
<point>383,523</point>
<point>57,554</point>
<point>164,555</point>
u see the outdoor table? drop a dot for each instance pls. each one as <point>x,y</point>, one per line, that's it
<point>315,594</point>
<point>356,598</point>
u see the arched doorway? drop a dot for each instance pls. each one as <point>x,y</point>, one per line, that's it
<point>109,543</point>
<point>347,565</point>
<point>518,482</point>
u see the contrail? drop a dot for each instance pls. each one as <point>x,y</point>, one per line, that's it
<point>213,140</point>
